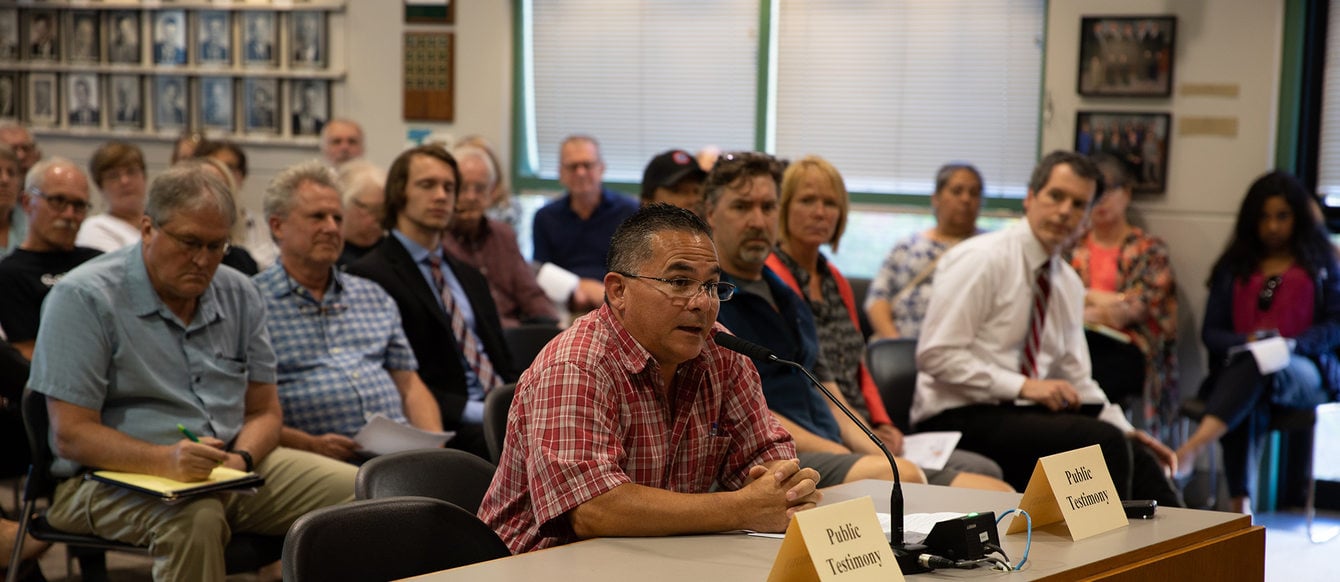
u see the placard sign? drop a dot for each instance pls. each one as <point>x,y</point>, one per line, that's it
<point>841,542</point>
<point>1074,487</point>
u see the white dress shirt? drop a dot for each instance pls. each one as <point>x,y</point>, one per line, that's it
<point>972,339</point>
<point>106,233</point>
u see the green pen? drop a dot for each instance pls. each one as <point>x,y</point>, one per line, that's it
<point>188,433</point>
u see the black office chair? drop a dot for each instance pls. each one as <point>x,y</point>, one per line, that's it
<point>860,286</point>
<point>451,475</point>
<point>386,539</point>
<point>245,553</point>
<point>893,366</point>
<point>526,341</point>
<point>496,406</point>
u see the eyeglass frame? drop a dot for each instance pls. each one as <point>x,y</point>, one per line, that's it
<point>195,247</point>
<point>702,286</point>
<point>60,203</point>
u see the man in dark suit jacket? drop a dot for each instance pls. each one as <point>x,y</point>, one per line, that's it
<point>421,190</point>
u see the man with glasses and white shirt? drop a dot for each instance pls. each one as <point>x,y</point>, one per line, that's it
<point>629,419</point>
<point>55,202</point>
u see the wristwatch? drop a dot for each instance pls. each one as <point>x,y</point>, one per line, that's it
<point>246,459</point>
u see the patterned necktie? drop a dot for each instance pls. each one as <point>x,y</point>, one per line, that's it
<point>1042,292</point>
<point>471,347</point>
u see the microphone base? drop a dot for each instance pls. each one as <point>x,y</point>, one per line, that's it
<point>907,555</point>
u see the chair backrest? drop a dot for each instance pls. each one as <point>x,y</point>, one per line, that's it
<point>526,341</point>
<point>37,425</point>
<point>859,287</point>
<point>893,365</point>
<point>451,475</point>
<point>496,406</point>
<point>386,539</point>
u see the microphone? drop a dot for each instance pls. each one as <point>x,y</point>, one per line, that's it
<point>908,554</point>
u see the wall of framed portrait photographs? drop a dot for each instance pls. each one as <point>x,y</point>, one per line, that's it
<point>255,71</point>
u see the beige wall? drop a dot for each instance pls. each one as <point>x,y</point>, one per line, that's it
<point>1236,43</point>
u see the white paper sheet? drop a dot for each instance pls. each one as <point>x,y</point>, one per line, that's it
<point>930,450</point>
<point>1271,354</point>
<point>558,283</point>
<point>382,435</point>
<point>915,525</point>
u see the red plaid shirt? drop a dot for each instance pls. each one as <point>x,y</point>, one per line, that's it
<point>587,417</point>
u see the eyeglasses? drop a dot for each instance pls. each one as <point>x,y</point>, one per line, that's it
<point>1267,296</point>
<point>376,210</point>
<point>195,246</point>
<point>686,288</point>
<point>588,166</point>
<point>60,203</point>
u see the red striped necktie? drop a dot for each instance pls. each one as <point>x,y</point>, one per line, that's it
<point>1042,292</point>
<point>471,347</point>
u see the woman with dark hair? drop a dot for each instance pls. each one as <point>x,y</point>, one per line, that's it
<point>898,295</point>
<point>1278,276</point>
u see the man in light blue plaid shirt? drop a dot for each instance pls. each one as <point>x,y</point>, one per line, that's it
<point>343,356</point>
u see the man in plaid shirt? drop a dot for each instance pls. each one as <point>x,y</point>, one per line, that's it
<point>342,355</point>
<point>627,422</point>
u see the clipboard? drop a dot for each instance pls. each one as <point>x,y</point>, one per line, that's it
<point>221,479</point>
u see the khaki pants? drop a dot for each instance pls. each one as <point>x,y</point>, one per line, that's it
<point>186,539</point>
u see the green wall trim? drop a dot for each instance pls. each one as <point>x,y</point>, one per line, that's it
<point>764,77</point>
<point>1291,78</point>
<point>520,159</point>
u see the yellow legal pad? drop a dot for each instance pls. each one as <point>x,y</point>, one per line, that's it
<point>221,479</point>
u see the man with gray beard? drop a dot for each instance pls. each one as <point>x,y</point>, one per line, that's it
<point>56,202</point>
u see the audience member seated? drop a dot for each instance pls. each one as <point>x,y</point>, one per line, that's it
<point>13,221</point>
<point>184,147</point>
<point>342,355</point>
<point>490,246</point>
<point>1276,278</point>
<point>361,189</point>
<point>118,170</point>
<point>573,232</point>
<point>502,205</point>
<point>56,201</point>
<point>674,178</point>
<point>21,141</point>
<point>236,256</point>
<point>445,306</point>
<point>814,206</point>
<point>741,194</point>
<point>1012,378</point>
<point>896,302</point>
<point>156,336</point>
<point>634,423</point>
<point>341,141</point>
<point>257,241</point>
<point>1130,288</point>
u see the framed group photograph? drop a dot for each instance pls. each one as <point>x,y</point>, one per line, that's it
<point>216,103</point>
<point>9,95</point>
<point>83,109</point>
<point>307,37</point>
<point>214,34</point>
<point>258,39</point>
<point>123,44</point>
<point>126,102</point>
<point>310,106</point>
<point>41,101</point>
<point>1139,140</point>
<point>85,36</point>
<point>170,104</point>
<point>261,105</point>
<point>43,35</point>
<point>170,37</point>
<point>1126,56</point>
<point>9,34</point>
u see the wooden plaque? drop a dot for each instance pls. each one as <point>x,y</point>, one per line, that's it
<point>428,76</point>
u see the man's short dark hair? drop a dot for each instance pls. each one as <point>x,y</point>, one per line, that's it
<point>397,179</point>
<point>1079,164</point>
<point>631,245</point>
<point>735,167</point>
